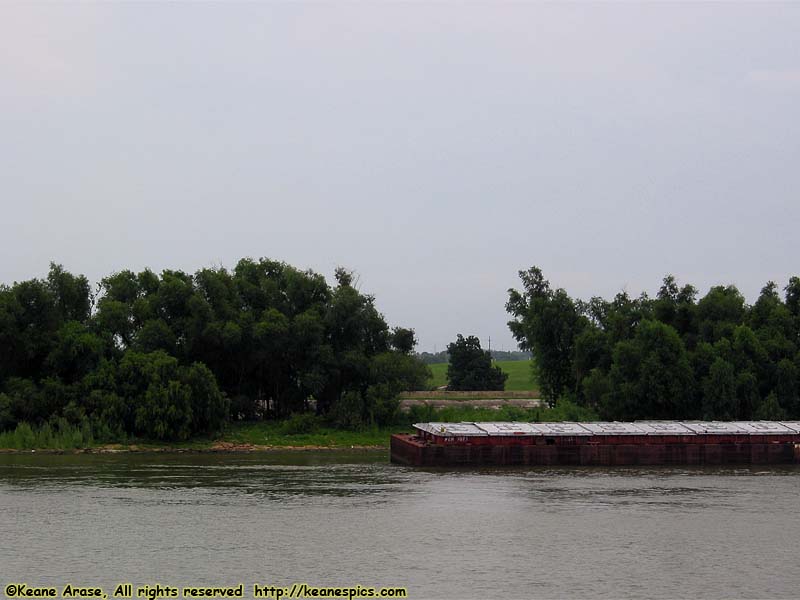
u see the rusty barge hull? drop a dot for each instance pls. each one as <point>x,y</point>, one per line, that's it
<point>598,444</point>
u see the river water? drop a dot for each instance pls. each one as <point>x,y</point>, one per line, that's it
<point>347,518</point>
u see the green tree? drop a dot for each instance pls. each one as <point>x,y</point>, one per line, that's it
<point>471,367</point>
<point>770,409</point>
<point>793,296</point>
<point>72,295</point>
<point>403,340</point>
<point>592,353</point>
<point>75,352</point>
<point>747,394</point>
<point>786,388</point>
<point>719,312</point>
<point>719,392</point>
<point>546,322</point>
<point>595,387</point>
<point>210,407</point>
<point>650,376</point>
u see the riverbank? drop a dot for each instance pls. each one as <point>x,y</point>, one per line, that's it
<point>301,433</point>
<point>238,437</point>
<point>215,448</point>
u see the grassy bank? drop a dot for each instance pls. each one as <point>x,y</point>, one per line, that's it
<point>59,436</point>
<point>274,434</point>
<point>303,432</point>
<point>520,374</point>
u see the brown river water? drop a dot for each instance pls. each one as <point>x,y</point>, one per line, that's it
<point>348,518</point>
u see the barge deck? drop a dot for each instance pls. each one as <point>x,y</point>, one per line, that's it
<point>603,444</point>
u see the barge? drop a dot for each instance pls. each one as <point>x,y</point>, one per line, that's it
<point>604,443</point>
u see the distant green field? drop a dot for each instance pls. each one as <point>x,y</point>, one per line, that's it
<point>520,376</point>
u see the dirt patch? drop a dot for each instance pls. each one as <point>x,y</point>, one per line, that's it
<point>487,395</point>
<point>493,403</point>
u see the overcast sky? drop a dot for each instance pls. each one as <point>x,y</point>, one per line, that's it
<point>435,149</point>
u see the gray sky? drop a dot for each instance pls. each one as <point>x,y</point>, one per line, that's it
<point>436,149</point>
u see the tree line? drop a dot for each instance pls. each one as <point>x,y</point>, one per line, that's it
<point>670,357</point>
<point>174,355</point>
<point>443,356</point>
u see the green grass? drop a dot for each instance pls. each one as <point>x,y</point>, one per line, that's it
<point>520,375</point>
<point>565,411</point>
<point>273,433</point>
<point>281,433</point>
<point>439,371</point>
<point>60,436</point>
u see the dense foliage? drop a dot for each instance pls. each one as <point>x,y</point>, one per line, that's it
<point>471,367</point>
<point>174,355</point>
<point>668,357</point>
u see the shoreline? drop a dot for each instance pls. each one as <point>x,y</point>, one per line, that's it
<point>217,448</point>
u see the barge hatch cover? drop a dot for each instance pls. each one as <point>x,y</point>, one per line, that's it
<point>513,428</point>
<point>718,427</point>
<point>664,428</point>
<point>765,427</point>
<point>614,428</point>
<point>556,429</point>
<point>451,429</point>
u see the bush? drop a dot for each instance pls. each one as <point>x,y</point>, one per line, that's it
<point>770,409</point>
<point>301,423</point>
<point>382,404</point>
<point>55,435</point>
<point>421,413</point>
<point>348,412</point>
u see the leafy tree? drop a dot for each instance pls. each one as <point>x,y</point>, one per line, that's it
<point>650,376</point>
<point>596,387</point>
<point>747,394</point>
<point>719,391</point>
<point>403,340</point>
<point>75,352</point>
<point>8,420</point>
<point>786,388</point>
<point>719,312</point>
<point>676,307</point>
<point>210,407</point>
<point>72,295</point>
<point>471,367</point>
<point>592,352</point>
<point>546,322</point>
<point>793,296</point>
<point>155,335</point>
<point>770,409</point>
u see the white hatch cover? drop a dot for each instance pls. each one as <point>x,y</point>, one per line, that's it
<point>513,428</point>
<point>613,428</point>
<point>561,428</point>
<point>795,425</point>
<point>764,427</point>
<point>664,428</point>
<point>451,429</point>
<point>716,427</point>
